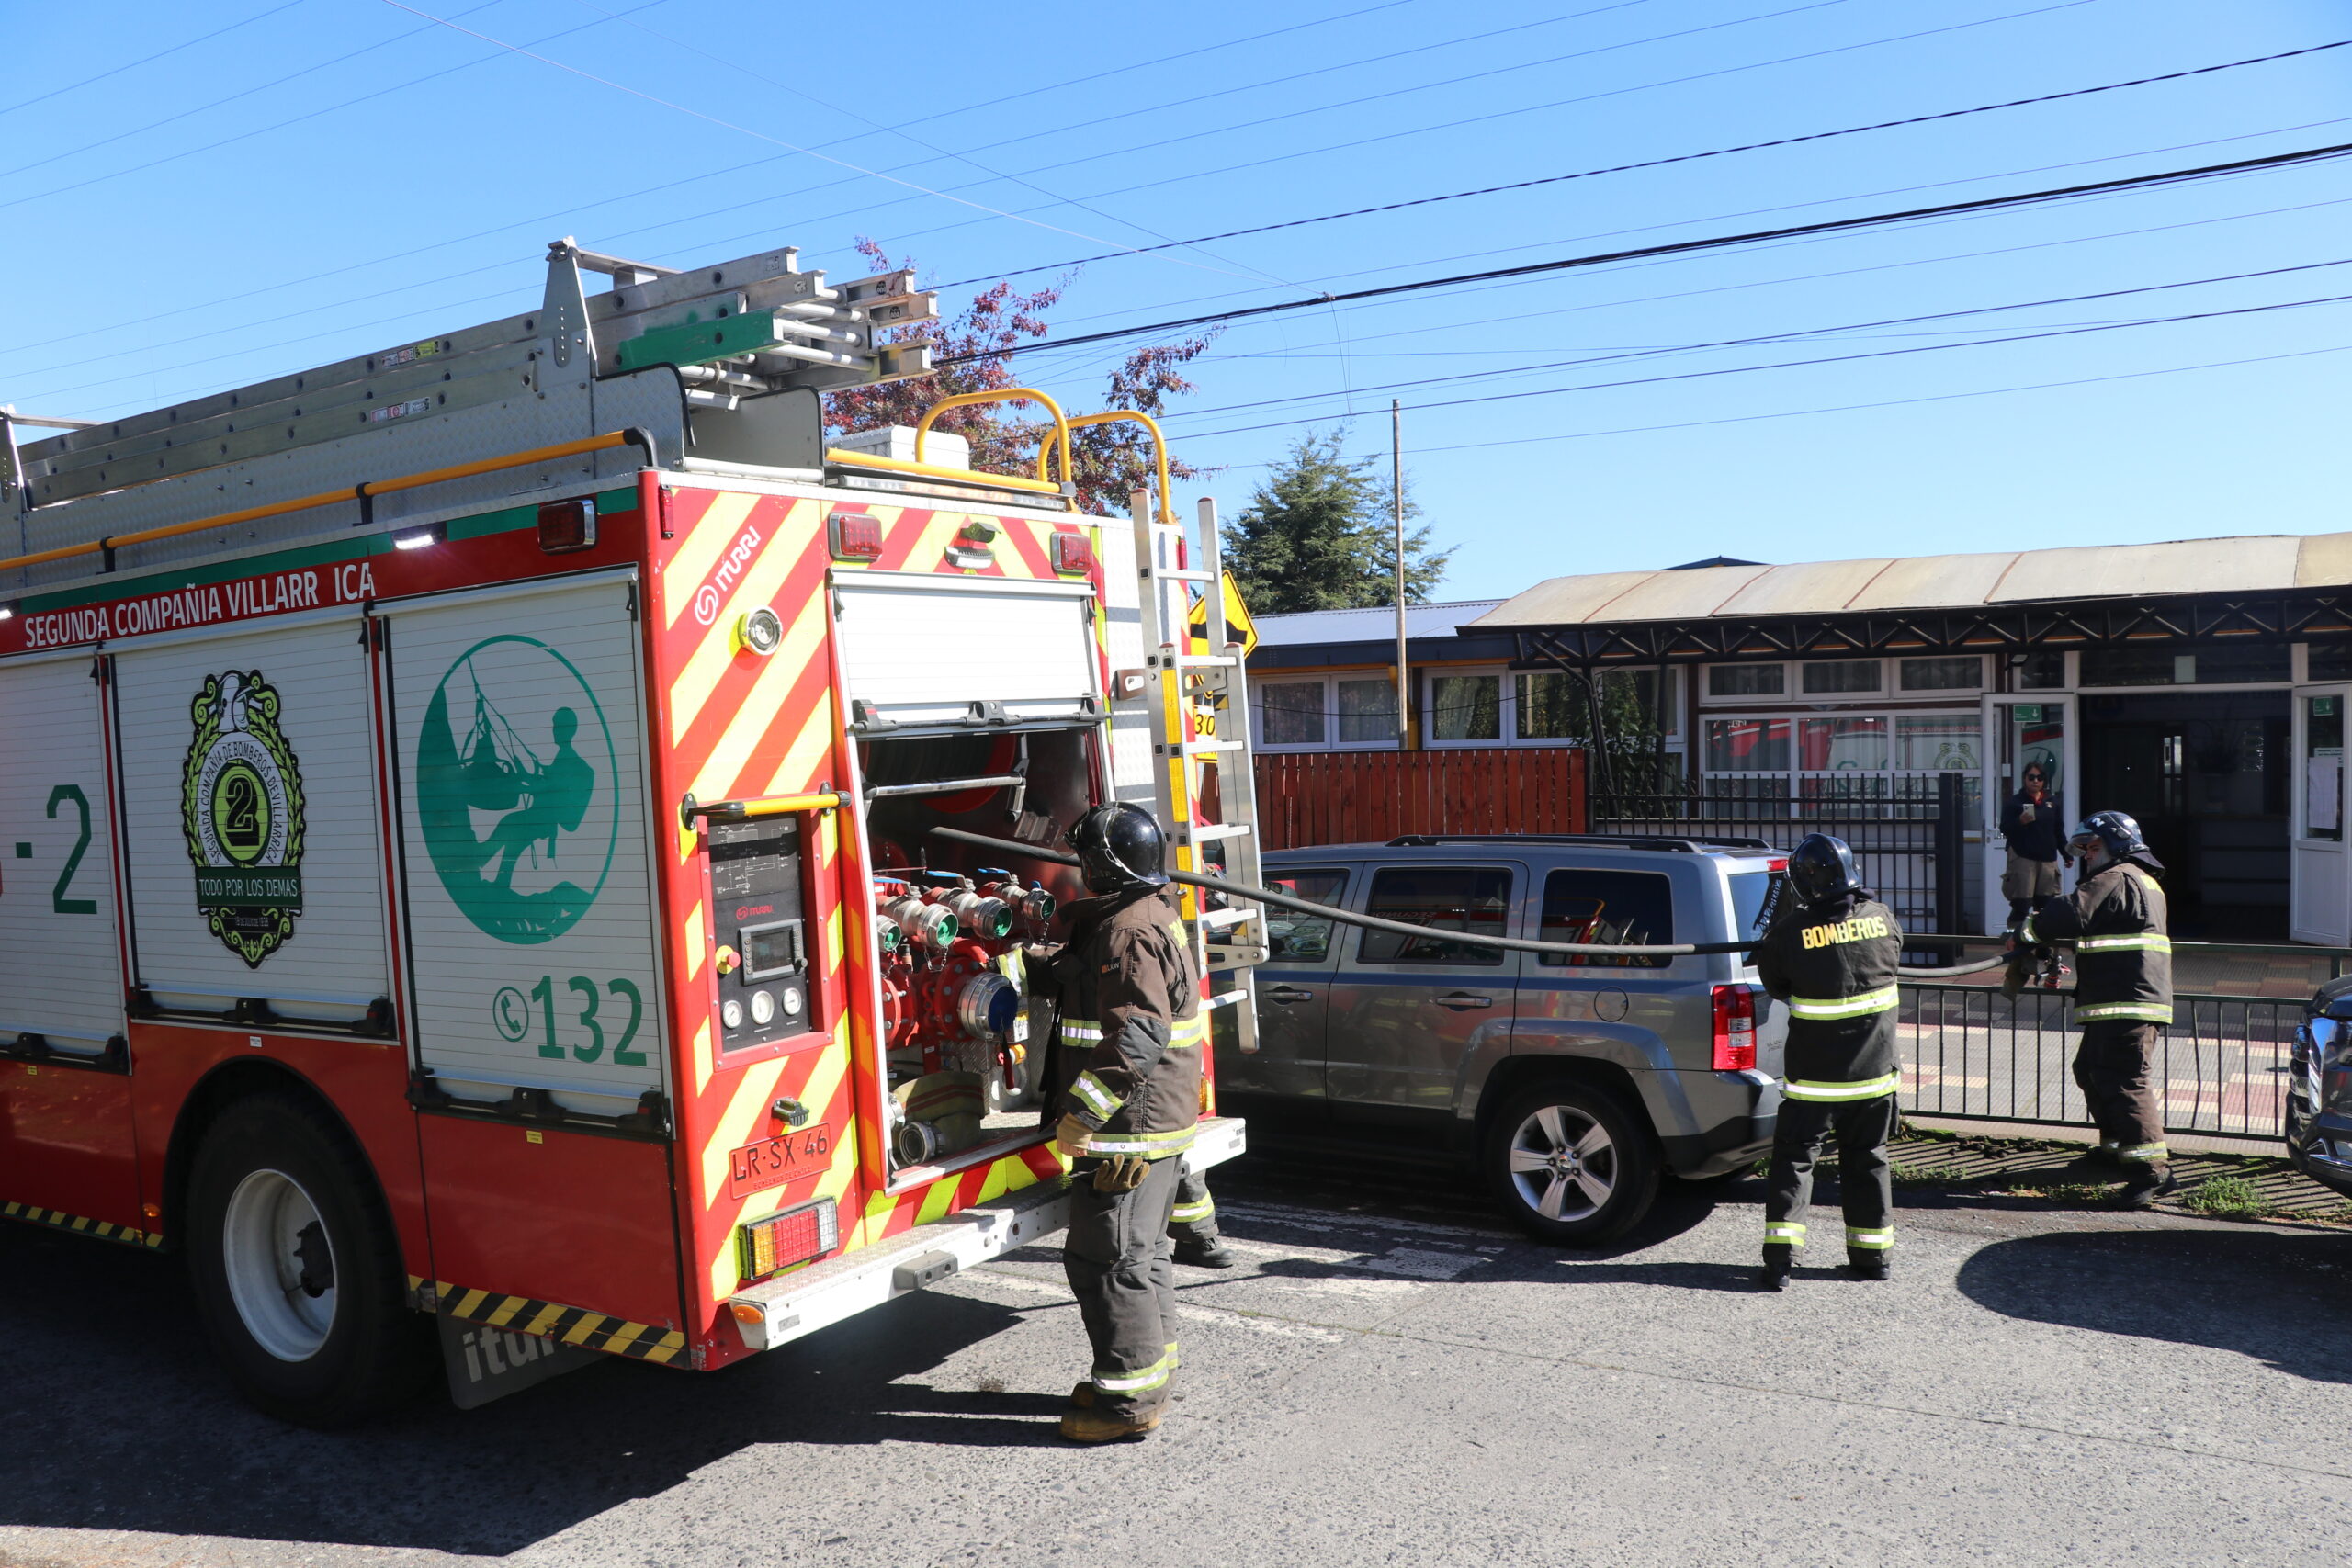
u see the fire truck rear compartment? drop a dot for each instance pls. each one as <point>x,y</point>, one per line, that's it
<point>965,1039</point>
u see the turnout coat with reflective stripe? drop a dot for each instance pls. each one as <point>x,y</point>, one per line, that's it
<point>2124,957</point>
<point>1834,965</point>
<point>1131,1016</point>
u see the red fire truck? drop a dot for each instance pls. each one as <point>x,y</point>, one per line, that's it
<point>466,836</point>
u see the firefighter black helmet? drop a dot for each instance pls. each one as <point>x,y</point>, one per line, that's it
<point>2117,831</point>
<point>1119,846</point>
<point>1822,869</point>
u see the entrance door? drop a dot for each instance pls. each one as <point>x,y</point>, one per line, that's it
<point>2319,902</point>
<point>2018,732</point>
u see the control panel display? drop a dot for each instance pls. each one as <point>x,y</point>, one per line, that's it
<point>756,892</point>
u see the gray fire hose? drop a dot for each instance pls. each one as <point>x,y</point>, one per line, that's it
<point>1401,928</point>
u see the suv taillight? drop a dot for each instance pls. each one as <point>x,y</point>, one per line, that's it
<point>1734,1028</point>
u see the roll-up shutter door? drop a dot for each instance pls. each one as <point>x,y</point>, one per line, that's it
<point>250,822</point>
<point>922,651</point>
<point>527,866</point>
<point>60,971</point>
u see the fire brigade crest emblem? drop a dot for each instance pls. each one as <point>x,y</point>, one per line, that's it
<point>241,808</point>
<point>514,790</point>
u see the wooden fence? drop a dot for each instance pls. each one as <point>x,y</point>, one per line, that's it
<point>1346,798</point>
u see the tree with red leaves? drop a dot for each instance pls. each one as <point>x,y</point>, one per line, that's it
<point>1113,460</point>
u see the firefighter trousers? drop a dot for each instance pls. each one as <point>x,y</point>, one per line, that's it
<point>1121,1268</point>
<point>1194,1219</point>
<point>1866,1186</point>
<point>2112,1066</point>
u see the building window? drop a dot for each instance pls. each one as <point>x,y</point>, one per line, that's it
<point>1551,707</point>
<point>1835,676</point>
<point>1747,679</point>
<point>1747,746</point>
<point>1367,711</point>
<point>2042,671</point>
<point>1843,745</point>
<point>1466,708</point>
<point>1293,712</point>
<point>1351,711</point>
<point>1939,744</point>
<point>2329,661</point>
<point>1966,673</point>
<point>2170,667</point>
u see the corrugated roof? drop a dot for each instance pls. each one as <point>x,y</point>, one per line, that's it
<point>2249,564</point>
<point>1368,626</point>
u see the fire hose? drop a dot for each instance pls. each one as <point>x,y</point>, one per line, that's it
<point>1372,922</point>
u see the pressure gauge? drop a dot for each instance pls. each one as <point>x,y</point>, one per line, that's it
<point>762,1007</point>
<point>730,1013</point>
<point>792,1004</point>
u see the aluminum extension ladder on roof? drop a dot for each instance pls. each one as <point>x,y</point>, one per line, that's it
<point>717,368</point>
<point>1213,682</point>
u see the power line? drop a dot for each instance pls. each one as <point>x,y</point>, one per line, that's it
<point>149,59</point>
<point>283,124</point>
<point>218,103</point>
<point>1685,158</point>
<point>1684,247</point>
<point>1499,113</point>
<point>1805,364</point>
<point>1876,403</point>
<point>931,147</point>
<point>149,317</point>
<point>1785,336</point>
<point>772,141</point>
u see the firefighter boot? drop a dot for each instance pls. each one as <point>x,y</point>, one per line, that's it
<point>1087,1425</point>
<point>1210,1254</point>
<point>1778,1258</point>
<point>1867,1263</point>
<point>2145,1185</point>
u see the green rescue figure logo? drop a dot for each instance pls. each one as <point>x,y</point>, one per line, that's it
<point>241,808</point>
<point>515,789</point>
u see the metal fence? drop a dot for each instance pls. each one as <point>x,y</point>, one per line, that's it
<point>1907,832</point>
<point>2222,1068</point>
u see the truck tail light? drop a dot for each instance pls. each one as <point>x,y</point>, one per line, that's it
<point>1734,1028</point>
<point>858,535</point>
<point>568,525</point>
<point>1073,553</point>
<point>771,1245</point>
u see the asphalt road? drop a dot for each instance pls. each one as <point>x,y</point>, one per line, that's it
<point>1393,1378</point>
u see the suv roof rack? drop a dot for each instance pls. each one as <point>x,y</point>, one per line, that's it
<point>1691,845</point>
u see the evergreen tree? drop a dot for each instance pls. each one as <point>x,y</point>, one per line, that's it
<point>1319,534</point>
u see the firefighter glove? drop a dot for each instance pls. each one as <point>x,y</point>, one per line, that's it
<point>1121,1173</point>
<point>1071,1135</point>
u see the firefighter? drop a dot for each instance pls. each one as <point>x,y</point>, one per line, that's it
<point>1130,1013</point>
<point>2116,918</point>
<point>1194,1225</point>
<point>1831,957</point>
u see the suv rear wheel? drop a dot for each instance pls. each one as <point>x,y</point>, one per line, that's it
<point>1570,1164</point>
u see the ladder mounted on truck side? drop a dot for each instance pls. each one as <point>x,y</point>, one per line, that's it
<point>718,367</point>
<point>1232,940</point>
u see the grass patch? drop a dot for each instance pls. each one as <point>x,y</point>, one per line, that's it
<point>1925,1175</point>
<point>2069,1194</point>
<point>2229,1197</point>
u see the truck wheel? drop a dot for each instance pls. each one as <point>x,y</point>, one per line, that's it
<point>297,1271</point>
<point>1570,1164</point>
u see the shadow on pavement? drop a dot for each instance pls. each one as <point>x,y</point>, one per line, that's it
<point>115,1418</point>
<point>2280,1297</point>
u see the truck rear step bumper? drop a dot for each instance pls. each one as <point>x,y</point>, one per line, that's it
<point>799,1304</point>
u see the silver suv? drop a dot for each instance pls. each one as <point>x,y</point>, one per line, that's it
<point>1574,1083</point>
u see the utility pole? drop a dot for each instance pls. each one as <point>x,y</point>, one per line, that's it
<point>1397,497</point>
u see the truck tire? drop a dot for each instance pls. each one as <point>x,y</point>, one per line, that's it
<point>1570,1164</point>
<point>296,1268</point>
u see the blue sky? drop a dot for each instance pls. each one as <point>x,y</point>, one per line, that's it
<point>372,177</point>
